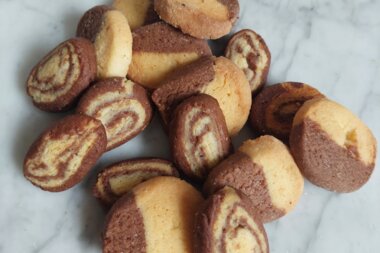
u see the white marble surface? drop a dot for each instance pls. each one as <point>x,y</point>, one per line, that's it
<point>333,45</point>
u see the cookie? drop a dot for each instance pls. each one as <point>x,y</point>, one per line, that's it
<point>198,136</point>
<point>121,105</point>
<point>63,155</point>
<point>137,12</point>
<point>333,148</point>
<point>59,78</point>
<point>108,29</point>
<point>156,216</point>
<point>210,19</point>
<point>119,178</point>
<point>228,223</point>
<point>273,109</point>
<point>159,49</point>
<point>249,52</point>
<point>217,77</point>
<point>264,170</point>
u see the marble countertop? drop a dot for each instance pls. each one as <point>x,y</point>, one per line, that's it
<point>332,45</point>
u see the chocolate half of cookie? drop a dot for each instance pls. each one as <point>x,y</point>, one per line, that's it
<point>121,105</point>
<point>228,223</point>
<point>198,136</point>
<point>59,78</point>
<point>333,148</point>
<point>63,155</point>
<point>119,178</point>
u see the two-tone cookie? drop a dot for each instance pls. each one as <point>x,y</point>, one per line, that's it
<point>273,109</point>
<point>137,12</point>
<point>264,170</point>
<point>229,223</point>
<point>198,136</point>
<point>60,77</point>
<point>119,178</point>
<point>121,105</point>
<point>157,216</point>
<point>217,77</point>
<point>209,19</point>
<point>250,53</point>
<point>108,29</point>
<point>63,155</point>
<point>333,148</point>
<point>159,49</point>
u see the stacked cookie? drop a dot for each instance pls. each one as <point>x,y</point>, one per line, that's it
<point>143,53</point>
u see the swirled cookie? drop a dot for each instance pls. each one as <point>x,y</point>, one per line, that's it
<point>63,155</point>
<point>58,79</point>
<point>121,105</point>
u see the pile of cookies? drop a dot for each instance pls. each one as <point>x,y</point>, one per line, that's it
<point>137,55</point>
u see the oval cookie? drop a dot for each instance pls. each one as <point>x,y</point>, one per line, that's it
<point>59,78</point>
<point>63,155</point>
<point>156,217</point>
<point>333,148</point>
<point>198,136</point>
<point>121,105</point>
<point>118,179</point>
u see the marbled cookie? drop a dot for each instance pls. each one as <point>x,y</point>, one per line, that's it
<point>249,52</point>
<point>119,178</point>
<point>228,223</point>
<point>137,12</point>
<point>264,170</point>
<point>121,105</point>
<point>108,29</point>
<point>209,19</point>
<point>159,49</point>
<point>333,148</point>
<point>63,155</point>
<point>198,136</point>
<point>58,79</point>
<point>273,109</point>
<point>217,77</point>
<point>157,216</point>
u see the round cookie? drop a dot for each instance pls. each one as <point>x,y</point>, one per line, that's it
<point>158,50</point>
<point>59,78</point>
<point>121,105</point>
<point>264,170</point>
<point>108,29</point>
<point>209,19</point>
<point>156,216</point>
<point>273,109</point>
<point>217,77</point>
<point>333,148</point>
<point>228,223</point>
<point>249,52</point>
<point>137,12</point>
<point>119,178</point>
<point>63,155</point>
<point>198,136</point>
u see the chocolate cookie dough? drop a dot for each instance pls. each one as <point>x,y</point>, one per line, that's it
<point>209,19</point>
<point>198,136</point>
<point>59,78</point>
<point>217,77</point>
<point>119,178</point>
<point>249,52</point>
<point>228,223</point>
<point>159,49</point>
<point>333,148</point>
<point>157,216</point>
<point>63,155</point>
<point>108,29</point>
<point>121,105</point>
<point>264,170</point>
<point>273,109</point>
